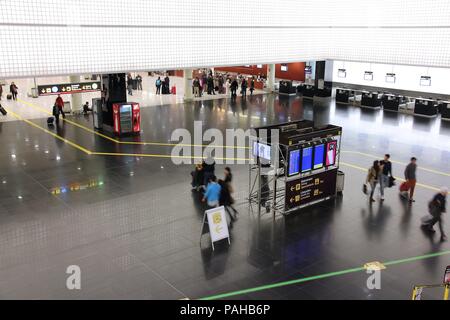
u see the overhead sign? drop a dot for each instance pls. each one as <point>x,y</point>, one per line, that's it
<point>310,189</point>
<point>68,88</point>
<point>218,225</point>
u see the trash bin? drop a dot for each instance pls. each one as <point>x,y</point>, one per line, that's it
<point>340,182</point>
<point>34,93</point>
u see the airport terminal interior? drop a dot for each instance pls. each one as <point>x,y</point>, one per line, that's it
<point>92,180</point>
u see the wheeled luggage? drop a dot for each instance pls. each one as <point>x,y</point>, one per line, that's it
<point>404,187</point>
<point>50,121</point>
<point>3,111</point>
<point>9,96</point>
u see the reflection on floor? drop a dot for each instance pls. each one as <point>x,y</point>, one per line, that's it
<point>133,225</point>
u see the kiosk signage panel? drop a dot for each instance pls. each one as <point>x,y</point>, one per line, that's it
<point>319,153</point>
<point>294,162</point>
<point>307,159</point>
<point>310,189</point>
<point>331,153</point>
<point>217,222</point>
<point>262,151</point>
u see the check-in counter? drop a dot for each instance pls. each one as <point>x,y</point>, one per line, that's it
<point>391,102</point>
<point>309,90</point>
<point>426,107</point>
<point>287,88</point>
<point>371,100</point>
<point>445,110</point>
<point>344,95</point>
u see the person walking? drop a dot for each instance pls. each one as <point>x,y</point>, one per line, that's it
<point>166,85</point>
<point>225,200</point>
<point>386,174</point>
<point>233,88</point>
<point>209,169</point>
<point>437,207</point>
<point>373,178</point>
<point>139,82</point>
<point>211,86</point>
<point>158,84</point>
<point>59,103</point>
<point>411,178</point>
<point>212,193</point>
<point>228,180</point>
<point>196,85</point>
<point>244,86</point>
<point>130,85</point>
<point>252,86</point>
<point>14,90</point>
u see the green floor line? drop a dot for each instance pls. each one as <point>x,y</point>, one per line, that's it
<point>322,276</point>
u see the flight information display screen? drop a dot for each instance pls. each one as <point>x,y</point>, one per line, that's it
<point>294,162</point>
<point>319,153</point>
<point>331,153</point>
<point>307,159</point>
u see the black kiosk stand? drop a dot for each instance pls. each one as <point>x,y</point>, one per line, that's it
<point>295,165</point>
<point>426,108</point>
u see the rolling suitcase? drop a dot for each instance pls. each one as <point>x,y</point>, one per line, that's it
<point>50,121</point>
<point>404,187</point>
<point>9,96</point>
<point>3,111</point>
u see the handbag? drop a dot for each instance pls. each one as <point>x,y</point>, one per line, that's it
<point>391,182</point>
<point>364,188</point>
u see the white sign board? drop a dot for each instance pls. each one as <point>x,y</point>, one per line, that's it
<point>218,226</point>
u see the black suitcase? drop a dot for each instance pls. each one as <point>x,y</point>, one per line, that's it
<point>9,97</point>
<point>50,121</point>
<point>3,111</point>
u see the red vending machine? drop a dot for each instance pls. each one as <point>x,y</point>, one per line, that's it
<point>127,118</point>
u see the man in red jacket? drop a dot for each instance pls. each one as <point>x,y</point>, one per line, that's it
<point>60,104</point>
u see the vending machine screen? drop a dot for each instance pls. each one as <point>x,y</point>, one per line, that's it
<point>307,159</point>
<point>319,152</point>
<point>331,153</point>
<point>294,162</point>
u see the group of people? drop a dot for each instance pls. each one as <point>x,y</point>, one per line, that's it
<point>130,82</point>
<point>380,173</point>
<point>222,84</point>
<point>215,192</point>
<point>162,86</point>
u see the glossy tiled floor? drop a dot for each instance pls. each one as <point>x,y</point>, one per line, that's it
<point>133,225</point>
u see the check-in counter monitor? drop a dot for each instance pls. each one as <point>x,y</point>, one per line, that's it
<point>391,102</point>
<point>445,110</point>
<point>371,100</point>
<point>425,107</point>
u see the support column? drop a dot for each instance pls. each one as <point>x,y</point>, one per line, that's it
<point>324,78</point>
<point>76,102</point>
<point>114,90</point>
<point>271,77</point>
<point>188,95</point>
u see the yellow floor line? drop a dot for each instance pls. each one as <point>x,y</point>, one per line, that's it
<point>170,156</point>
<point>129,142</point>
<point>51,133</point>
<point>398,162</point>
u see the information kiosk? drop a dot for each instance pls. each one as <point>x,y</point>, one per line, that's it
<point>295,165</point>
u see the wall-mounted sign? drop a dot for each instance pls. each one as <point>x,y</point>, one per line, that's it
<point>390,77</point>
<point>342,73</point>
<point>68,88</point>
<point>284,68</point>
<point>309,189</point>
<point>368,75</point>
<point>259,66</point>
<point>425,81</point>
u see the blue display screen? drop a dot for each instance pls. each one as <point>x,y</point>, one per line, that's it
<point>319,153</point>
<point>307,159</point>
<point>294,162</point>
